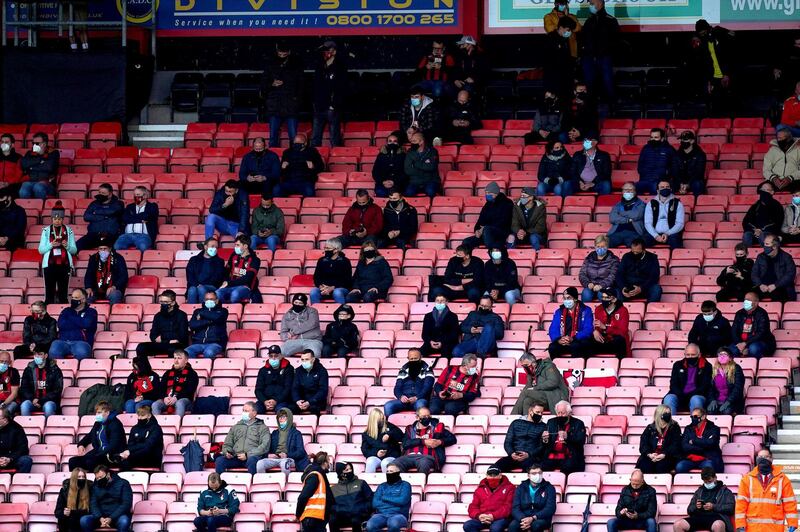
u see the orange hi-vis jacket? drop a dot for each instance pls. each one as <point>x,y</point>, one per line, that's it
<point>315,507</point>
<point>769,508</point>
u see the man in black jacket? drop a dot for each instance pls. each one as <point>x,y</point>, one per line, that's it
<point>690,166</point>
<point>600,38</point>
<point>764,217</point>
<point>463,277</point>
<point>282,83</point>
<point>564,440</point>
<point>736,280</point>
<point>145,447</point>
<point>388,170</point>
<point>310,385</point>
<point>274,383</point>
<point>689,382</point>
<point>462,119</point>
<point>170,330</point>
<point>330,88</point>
<point>637,506</point>
<point>440,330</point>
<point>341,335</point>
<point>104,216</point>
<point>701,445</point>
<point>523,443</point>
<point>13,222</point>
<point>13,445</point>
<point>400,221</point>
<point>41,386</point>
<point>106,275</point>
<point>333,275</point>
<point>774,272</point>
<point>712,506</point>
<point>300,166</point>
<point>111,502</point>
<point>710,330</point>
<point>591,168</point>
<point>38,332</point>
<point>494,222</point>
<point>140,223</point>
<point>638,274</point>
<point>711,61</point>
<point>311,517</point>
<point>559,65</point>
<point>107,438</point>
<point>209,328</point>
<point>751,330</point>
<point>352,499</point>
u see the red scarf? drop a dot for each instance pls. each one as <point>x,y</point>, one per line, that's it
<point>698,430</point>
<point>240,266</point>
<point>575,314</point>
<point>103,275</point>
<point>175,382</point>
<point>560,449</point>
<point>40,382</point>
<point>5,384</point>
<point>143,385</point>
<point>660,440</point>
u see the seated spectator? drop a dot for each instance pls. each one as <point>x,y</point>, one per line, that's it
<point>241,273</point>
<point>611,335</point>
<point>751,330</point>
<point>260,169</point>
<point>380,443</point>
<point>581,118</point>
<point>177,387</point>
<point>247,441</point>
<point>145,447</point>
<point>711,507</point>
<point>627,218</point>
<point>638,274</point>
<point>462,119</point>
<point>205,272</point>
<point>391,502</point>
<point>591,169</point>
<point>690,166</point>
<point>38,331</point>
<point>528,221</point>
<point>341,335</point>
<point>9,384</point>
<point>494,222</point>
<point>764,217</point>
<point>73,501</point>
<point>77,325</point>
<point>599,270</point>
<point>559,65</point>
<point>13,445</point>
<point>726,394</point>
<point>544,384</point>
<point>388,170</point>
<point>482,330</point>
<point>774,272</point>
<point>300,328</point>
<point>534,503</point>
<point>111,502</point>
<point>421,166</point>
<point>57,246</point>
<point>413,386</point>
<point>440,330</point>
<point>141,223</point>
<point>781,162</point>
<point>372,278</point>
<point>736,280</point>
<point>286,449</point>
<point>106,275</point>
<point>790,229</point>
<point>310,386</point>
<point>104,216</point>
<point>274,383</point>
<point>106,437</point>
<point>547,124</point>
<point>523,443</point>
<point>710,330</point>
<point>170,329</point>
<point>555,170</point>
<point>142,386</point>
<point>352,499</point>
<point>657,162</point>
<point>456,387</point>
<point>281,87</point>
<point>40,164</point>
<point>421,115</point>
<point>664,218</point>
<point>491,503</point>
<point>572,326</point>
<point>41,386</point>
<point>471,68</point>
<point>637,506</point>
<point>400,222</point>
<point>424,445</point>
<point>790,115</point>
<point>701,445</point>
<point>435,70</point>
<point>362,222</point>
<point>564,438</point>
<point>502,279</point>
<point>229,213</point>
<point>13,221</point>
<point>333,275</point>
<point>10,165</point>
<point>268,225</point>
<point>300,166</point>
<point>689,382</point>
<point>208,328</point>
<point>463,278</point>
<point>660,444</point>
<point>216,506</point>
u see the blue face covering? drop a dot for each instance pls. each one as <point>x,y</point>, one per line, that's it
<point>489,197</point>
<point>747,305</point>
<point>307,365</point>
<point>601,252</point>
<point>440,306</point>
<point>627,196</point>
<point>587,145</point>
<point>212,252</point>
<point>415,102</point>
<point>237,250</point>
<point>274,362</point>
<point>567,34</point>
<point>210,304</point>
<point>708,317</point>
<point>569,303</point>
<point>99,418</point>
<point>3,367</point>
<point>283,424</point>
<point>562,8</point>
<point>38,361</point>
<point>592,10</point>
<point>796,200</point>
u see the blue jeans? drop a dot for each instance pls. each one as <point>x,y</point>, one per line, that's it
<point>622,237</point>
<point>225,227</point>
<point>196,294</point>
<point>395,405</point>
<point>671,400</point>
<point>38,190</point>
<point>473,525</point>
<point>181,407</point>
<point>89,523</point>
<point>673,241</point>
<point>647,187</point>
<point>629,524</point>
<point>275,129</point>
<point>204,350</point>
<point>651,294</point>
<point>112,296</point>
<point>749,238</point>
<point>49,408</point>
<point>339,295</point>
<point>210,523</point>
<point>684,466</point>
<point>559,189</point>
<point>393,523</point>
<point>429,189</point>
<point>599,67</point>
<point>272,242</point>
<point>533,239</point>
<point>12,408</point>
<point>63,348</point>
<point>23,464</point>
<point>222,463</point>
<point>755,350</point>
<point>333,119</point>
<point>233,294</point>
<point>588,295</point>
<point>140,241</point>
<point>131,405</point>
<point>512,296</point>
<point>601,187</point>
<point>298,188</point>
<point>483,346</point>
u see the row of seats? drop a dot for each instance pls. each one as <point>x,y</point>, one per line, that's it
<point>70,135</point>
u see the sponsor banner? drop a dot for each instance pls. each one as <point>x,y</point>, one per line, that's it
<point>140,12</point>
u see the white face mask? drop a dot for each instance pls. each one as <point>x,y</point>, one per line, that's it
<point>37,148</point>
<point>5,147</point>
<point>535,478</point>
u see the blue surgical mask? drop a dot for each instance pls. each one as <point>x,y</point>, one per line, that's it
<point>210,304</point>
<point>796,200</point>
<point>562,8</point>
<point>496,255</point>
<point>104,255</point>
<point>307,365</point>
<point>472,371</point>
<point>415,102</point>
<point>274,362</point>
<point>587,145</point>
<point>440,306</point>
<point>567,34</point>
<point>3,367</point>
<point>283,424</point>
<point>237,250</point>
<point>245,417</point>
<point>708,317</point>
<point>601,252</point>
<point>768,249</point>
<point>747,305</point>
<point>569,303</point>
<point>709,485</point>
<point>38,361</point>
<point>592,10</point>
<point>99,418</point>
<point>489,197</point>
<point>627,196</point>
<point>212,252</point>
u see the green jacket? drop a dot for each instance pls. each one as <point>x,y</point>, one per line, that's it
<point>422,167</point>
<point>550,382</point>
<point>271,218</point>
<point>252,439</point>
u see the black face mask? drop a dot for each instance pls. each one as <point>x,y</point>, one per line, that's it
<point>101,197</point>
<point>536,418</point>
<point>166,307</point>
<point>415,365</point>
<point>637,255</point>
<point>393,478</point>
<point>425,421</point>
<point>392,148</point>
<point>483,311</point>
<point>654,143</point>
<point>75,303</point>
<point>298,308</point>
<point>142,422</point>
<point>695,420</point>
<point>785,144</point>
<point>81,483</point>
<point>740,260</point>
<point>370,253</point>
<point>607,304</point>
<point>691,361</point>
<point>685,144</point>
<point>5,204</point>
<point>764,466</point>
<point>395,204</point>
<point>581,95</point>
<point>347,477</point>
<point>103,482</point>
<point>764,196</point>
<point>666,417</point>
<point>298,146</point>
<point>328,254</point>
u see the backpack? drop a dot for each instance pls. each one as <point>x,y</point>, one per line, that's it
<point>114,395</point>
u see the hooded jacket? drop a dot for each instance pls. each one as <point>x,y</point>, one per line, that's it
<point>376,274</point>
<point>210,326</point>
<point>297,170</point>
<point>40,332</point>
<point>525,435</point>
<point>447,332</point>
<point>390,166</point>
<point>542,504</point>
<point>13,225</point>
<point>729,280</point>
<point>223,497</point>
<point>584,330</point>
<point>275,383</point>
<point>778,163</point>
<point>710,335</point>
<point>642,501</point>
<point>264,163</point>
<point>599,271</point>
<point>53,379</point>
<point>311,385</point>
<point>271,218</point>
<point>496,214</point>
<point>146,444</point>
<point>113,500</point>
<point>237,212</point>
<point>205,270</point>
<point>283,101</point>
<point>766,508</point>
<point>602,165</point>
<point>392,499</point>
<point>368,216</point>
<point>412,441</point>
<point>707,445</point>
<point>501,276</point>
<point>427,117</point>
<point>767,216</point>
<point>295,447</point>
<point>419,386</point>
<point>554,170</point>
<point>721,497</point>
<point>760,330</point>
<point>74,326</point>
<point>690,166</point>
<point>405,220</point>
<point>422,167</point>
<point>13,442</point>
<point>680,376</point>
<point>119,272</point>
<point>248,438</point>
<point>342,333</point>
<point>148,217</point>
<point>782,266</point>
<point>497,502</point>
<point>305,324</point>
<point>172,325</point>
<point>657,162</point>
<point>105,438</point>
<point>105,218</point>
<point>735,390</point>
<point>352,497</point>
<point>370,446</point>
<point>533,221</point>
<point>41,167</point>
<point>641,271</point>
<point>547,379</point>
<point>478,319</point>
<point>336,272</point>
<point>624,211</point>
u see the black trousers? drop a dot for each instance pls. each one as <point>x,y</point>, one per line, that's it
<point>24,351</point>
<point>731,293</point>
<point>508,464</point>
<point>615,346</point>
<point>56,284</point>
<point>309,524</point>
<point>151,349</point>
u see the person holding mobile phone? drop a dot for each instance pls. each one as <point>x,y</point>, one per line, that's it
<point>637,506</point>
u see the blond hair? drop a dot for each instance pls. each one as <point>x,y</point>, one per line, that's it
<point>375,422</point>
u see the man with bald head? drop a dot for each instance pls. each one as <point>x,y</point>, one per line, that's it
<point>637,506</point>
<point>300,166</point>
<point>422,167</point>
<point>462,119</point>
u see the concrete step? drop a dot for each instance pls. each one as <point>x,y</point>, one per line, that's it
<point>789,436</point>
<point>157,135</point>
<point>792,421</point>
<point>794,407</point>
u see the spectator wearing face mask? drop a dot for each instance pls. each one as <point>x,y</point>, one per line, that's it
<point>736,280</point>
<point>766,501</point>
<point>611,334</point>
<point>388,170</point>
<point>764,217</point>
<point>689,381</point>
<point>599,270</point>
<point>534,503</point>
<point>435,70</point>
<point>310,385</point>
<point>41,386</point>
<point>791,221</point>
<point>268,224</point>
<point>282,83</point>
<point>77,325</point>
<point>300,167</point>
<point>528,221</point>
<point>726,394</point>
<point>421,165</point>
<point>637,506</point>
<point>600,39</point>
<point>424,444</point>
<point>246,442</point>
<point>664,218</point>
<point>10,165</point>
<point>660,444</point>
<point>463,277</point>
<point>482,330</point>
<point>331,85</point>
<point>205,272</point>
<point>392,503</point>
<point>170,330</point>
<point>106,275</point>
<point>209,329</point>
<point>627,218</point>
<point>711,507</point>
<point>9,384</point>
<point>241,273</point>
<point>462,119</point>
<point>421,115</point>
<point>456,388</point>
<point>491,503</point>
<point>229,213</point>
<point>710,330</point>
<point>140,220</point>
<point>591,169</point>
<point>471,66</point>
<point>657,162</point>
<point>638,274</point>
<point>581,118</point>
<point>13,445</point>
<point>111,502</point>
<point>73,501</point>
<point>400,222</point>
<point>500,274</point>
<point>701,444</point>
<point>560,11</point>
<point>690,166</point>
<point>286,449</point>
<point>106,437</point>
<point>300,328</point>
<point>372,278</point>
<point>40,164</point>
<point>104,216</point>
<point>782,160</point>
<point>564,437</point>
<point>572,326</point>
<point>362,222</point>
<point>774,272</point>
<point>352,499</point>
<point>494,221</point>
<point>751,330</point>
<point>544,383</point>
<point>273,387</point>
<point>142,386</point>
<point>38,332</point>
<point>547,122</point>
<point>13,222</point>
<point>260,169</point>
<point>145,447</point>
<point>341,335</point>
<point>333,274</point>
<point>555,170</point>
<point>523,444</point>
<point>413,386</point>
<point>559,66</point>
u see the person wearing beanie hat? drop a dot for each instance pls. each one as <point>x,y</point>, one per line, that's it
<point>494,222</point>
<point>352,499</point>
<point>273,387</point>
<point>528,221</point>
<point>300,328</point>
<point>572,326</point>
<point>57,247</point>
<point>106,274</point>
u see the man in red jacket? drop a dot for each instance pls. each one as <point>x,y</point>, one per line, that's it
<point>491,504</point>
<point>791,112</point>
<point>10,166</point>
<point>610,335</point>
<point>363,221</point>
